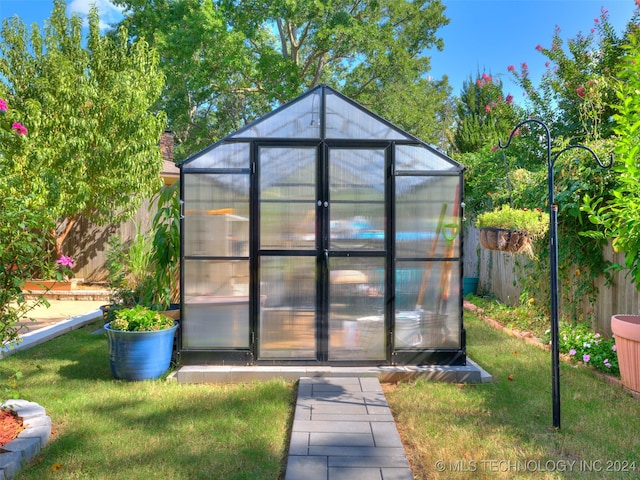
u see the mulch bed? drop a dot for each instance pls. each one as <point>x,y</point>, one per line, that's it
<point>10,426</point>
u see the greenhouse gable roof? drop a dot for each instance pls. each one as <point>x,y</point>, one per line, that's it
<point>321,114</point>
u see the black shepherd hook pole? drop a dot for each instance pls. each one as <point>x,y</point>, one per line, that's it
<point>553,258</point>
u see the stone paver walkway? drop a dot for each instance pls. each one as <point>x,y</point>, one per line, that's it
<point>343,429</point>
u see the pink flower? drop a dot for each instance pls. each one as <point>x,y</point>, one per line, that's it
<point>19,128</point>
<point>586,358</point>
<point>539,47</point>
<point>596,20</point>
<point>65,261</point>
<point>572,352</point>
<point>511,68</point>
<point>487,108</point>
<point>615,347</point>
<point>580,91</point>
<point>546,64</point>
<point>494,148</point>
<point>509,99</point>
<point>3,105</point>
<point>524,65</point>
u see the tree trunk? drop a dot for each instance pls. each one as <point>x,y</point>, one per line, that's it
<point>59,239</point>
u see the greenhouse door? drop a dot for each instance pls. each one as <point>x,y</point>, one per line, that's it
<point>322,254</point>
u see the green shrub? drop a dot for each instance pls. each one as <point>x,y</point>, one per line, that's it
<point>534,223</point>
<point>140,319</point>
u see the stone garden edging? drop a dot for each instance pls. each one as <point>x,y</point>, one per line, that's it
<point>35,435</point>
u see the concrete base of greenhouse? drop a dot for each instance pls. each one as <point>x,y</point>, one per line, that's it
<point>470,373</point>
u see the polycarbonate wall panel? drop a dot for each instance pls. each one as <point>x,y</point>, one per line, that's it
<point>288,307</point>
<point>428,268</point>
<point>216,291</point>
<point>224,155</point>
<point>420,158</point>
<point>427,305</point>
<point>287,198</point>
<point>345,120</point>
<point>216,214</point>
<point>300,119</point>
<point>357,186</point>
<point>216,303</point>
<point>425,206</point>
<point>356,309</point>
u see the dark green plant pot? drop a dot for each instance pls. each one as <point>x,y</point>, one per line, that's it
<point>469,285</point>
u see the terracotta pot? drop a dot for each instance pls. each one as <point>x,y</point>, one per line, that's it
<point>626,329</point>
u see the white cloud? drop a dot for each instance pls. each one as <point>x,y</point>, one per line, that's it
<point>109,13</point>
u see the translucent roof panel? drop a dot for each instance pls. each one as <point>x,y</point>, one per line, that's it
<point>422,158</point>
<point>222,155</point>
<point>299,118</point>
<point>345,120</point>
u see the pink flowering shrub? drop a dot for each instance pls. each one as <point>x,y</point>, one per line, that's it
<point>25,226</point>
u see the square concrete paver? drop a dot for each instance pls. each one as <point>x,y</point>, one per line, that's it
<point>343,429</point>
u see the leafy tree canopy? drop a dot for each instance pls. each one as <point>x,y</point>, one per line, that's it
<point>228,62</point>
<point>93,133</point>
<point>483,114</point>
<point>576,94</point>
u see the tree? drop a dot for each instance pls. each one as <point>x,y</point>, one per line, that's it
<point>576,99</point>
<point>94,132</point>
<point>24,224</point>
<point>483,114</point>
<point>617,212</point>
<point>228,62</point>
<point>577,90</point>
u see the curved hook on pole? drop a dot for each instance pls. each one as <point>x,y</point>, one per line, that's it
<point>552,162</point>
<point>517,127</point>
<point>553,259</point>
<point>593,154</point>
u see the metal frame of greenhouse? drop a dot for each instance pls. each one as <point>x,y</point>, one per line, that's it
<point>321,234</point>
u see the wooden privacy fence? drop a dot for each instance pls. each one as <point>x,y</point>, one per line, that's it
<point>87,243</point>
<point>500,274</point>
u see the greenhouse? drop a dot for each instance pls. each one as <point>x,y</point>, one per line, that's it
<point>321,234</point>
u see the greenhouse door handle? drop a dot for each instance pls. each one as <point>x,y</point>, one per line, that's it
<point>326,257</point>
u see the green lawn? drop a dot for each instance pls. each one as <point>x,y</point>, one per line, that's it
<point>504,429</point>
<point>106,429</point>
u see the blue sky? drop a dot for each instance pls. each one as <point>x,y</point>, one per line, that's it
<point>490,35</point>
<point>483,35</point>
